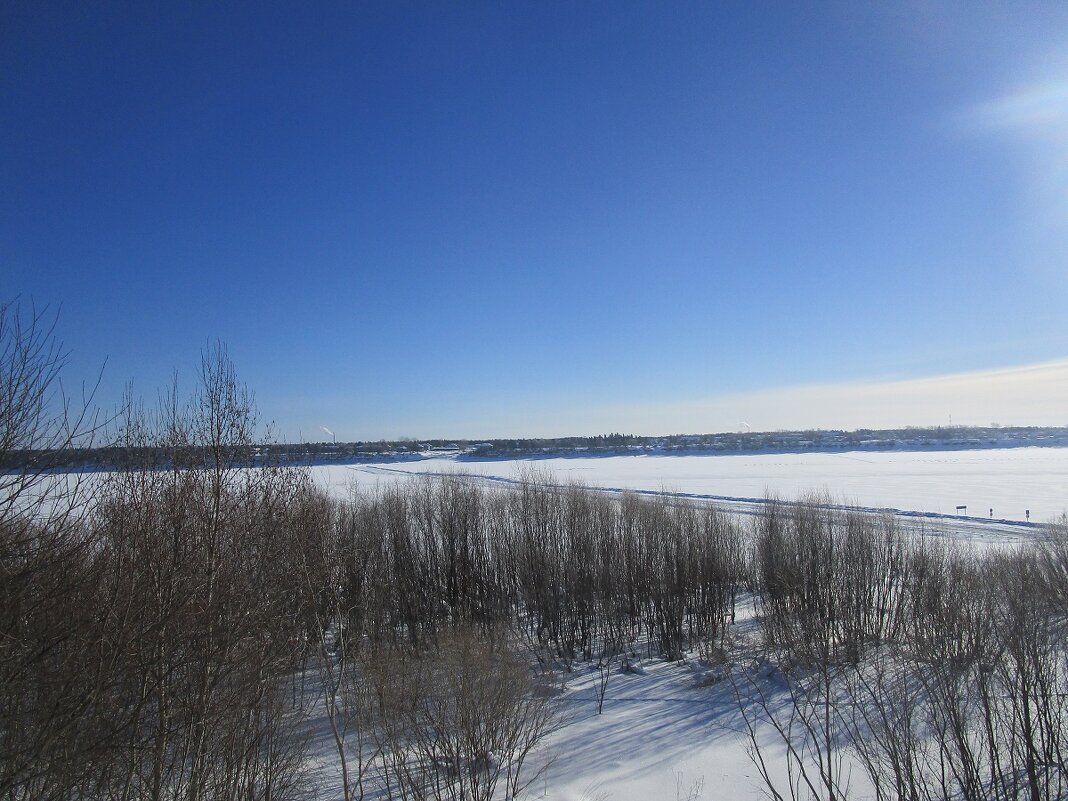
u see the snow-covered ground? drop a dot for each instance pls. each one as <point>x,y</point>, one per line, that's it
<point>1008,481</point>
<point>660,734</point>
<point>666,734</point>
<point>667,730</point>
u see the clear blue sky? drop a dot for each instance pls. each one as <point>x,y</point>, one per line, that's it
<point>468,219</point>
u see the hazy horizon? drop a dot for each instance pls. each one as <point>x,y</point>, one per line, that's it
<point>1031,395</point>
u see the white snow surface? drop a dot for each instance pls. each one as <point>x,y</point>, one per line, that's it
<point>668,730</point>
<point>1009,481</point>
<point>665,733</point>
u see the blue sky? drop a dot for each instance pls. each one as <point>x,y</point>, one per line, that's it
<point>410,219</point>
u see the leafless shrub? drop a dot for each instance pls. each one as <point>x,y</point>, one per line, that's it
<point>457,721</point>
<point>831,580</point>
<point>211,617</point>
<point>50,670</point>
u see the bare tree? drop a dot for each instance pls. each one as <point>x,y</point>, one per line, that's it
<point>49,572</point>
<point>458,721</point>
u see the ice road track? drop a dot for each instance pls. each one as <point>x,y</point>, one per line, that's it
<point>964,528</point>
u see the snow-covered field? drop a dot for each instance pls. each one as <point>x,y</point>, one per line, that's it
<point>664,734</point>
<point>668,731</point>
<point>1008,481</point>
<point>659,735</point>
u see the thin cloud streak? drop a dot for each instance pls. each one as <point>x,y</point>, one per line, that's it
<point>1027,395</point>
<point>1035,116</point>
<point>1040,108</point>
<point>1034,394</point>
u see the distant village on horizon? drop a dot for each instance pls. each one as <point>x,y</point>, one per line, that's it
<point>723,443</point>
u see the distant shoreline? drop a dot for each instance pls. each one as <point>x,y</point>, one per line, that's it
<point>271,457</point>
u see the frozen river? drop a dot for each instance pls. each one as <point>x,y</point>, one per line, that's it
<point>1010,481</point>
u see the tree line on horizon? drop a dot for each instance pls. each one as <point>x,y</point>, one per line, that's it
<point>116,454</point>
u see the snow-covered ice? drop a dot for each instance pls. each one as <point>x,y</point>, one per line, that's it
<point>1009,481</point>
